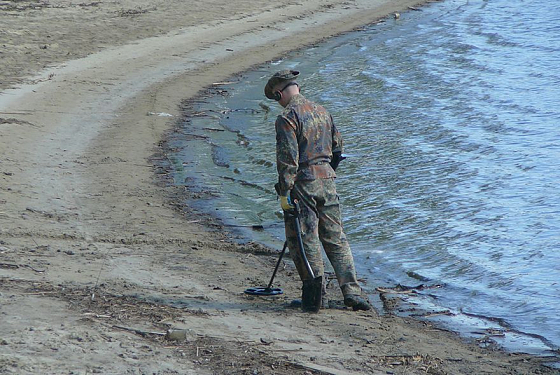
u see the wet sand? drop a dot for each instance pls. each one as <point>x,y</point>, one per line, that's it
<point>98,259</point>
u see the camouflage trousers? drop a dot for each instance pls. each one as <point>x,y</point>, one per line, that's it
<point>321,225</point>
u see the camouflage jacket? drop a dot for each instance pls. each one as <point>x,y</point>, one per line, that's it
<point>306,138</point>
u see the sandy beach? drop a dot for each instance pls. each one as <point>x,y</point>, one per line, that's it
<point>102,269</point>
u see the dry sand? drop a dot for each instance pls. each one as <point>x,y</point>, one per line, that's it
<point>97,258</point>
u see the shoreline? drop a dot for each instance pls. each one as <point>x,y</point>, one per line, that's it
<point>90,244</point>
<point>392,301</point>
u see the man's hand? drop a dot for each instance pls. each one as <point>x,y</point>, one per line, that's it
<point>286,203</point>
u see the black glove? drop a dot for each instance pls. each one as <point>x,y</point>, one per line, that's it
<point>336,158</point>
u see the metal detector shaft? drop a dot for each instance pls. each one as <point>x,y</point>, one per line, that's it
<point>277,265</point>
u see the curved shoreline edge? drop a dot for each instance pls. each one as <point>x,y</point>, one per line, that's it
<point>90,244</point>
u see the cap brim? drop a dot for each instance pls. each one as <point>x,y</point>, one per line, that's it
<point>268,92</point>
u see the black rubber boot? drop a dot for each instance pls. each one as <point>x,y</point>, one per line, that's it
<point>357,302</point>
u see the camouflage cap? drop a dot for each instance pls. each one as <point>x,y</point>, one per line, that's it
<point>279,77</point>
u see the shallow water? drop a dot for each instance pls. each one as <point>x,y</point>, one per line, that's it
<point>451,122</point>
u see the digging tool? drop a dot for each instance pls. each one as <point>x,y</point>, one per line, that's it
<point>312,287</point>
<point>269,290</point>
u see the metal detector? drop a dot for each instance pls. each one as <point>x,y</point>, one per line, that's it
<point>269,290</point>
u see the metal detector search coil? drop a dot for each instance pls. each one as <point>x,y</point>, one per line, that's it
<point>269,290</point>
<point>260,291</point>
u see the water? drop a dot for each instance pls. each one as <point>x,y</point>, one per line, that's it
<point>451,119</point>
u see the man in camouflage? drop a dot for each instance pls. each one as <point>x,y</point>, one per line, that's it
<point>308,150</point>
